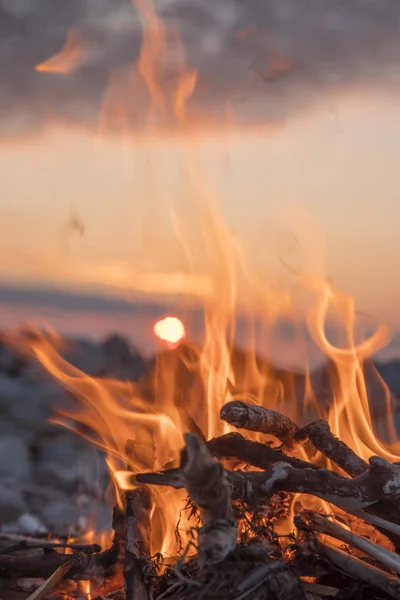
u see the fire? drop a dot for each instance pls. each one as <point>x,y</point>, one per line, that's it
<point>170,329</point>
<point>71,57</point>
<point>191,382</point>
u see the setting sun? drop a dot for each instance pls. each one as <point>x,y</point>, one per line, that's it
<point>170,329</point>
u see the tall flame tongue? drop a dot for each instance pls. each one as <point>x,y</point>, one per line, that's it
<point>192,382</point>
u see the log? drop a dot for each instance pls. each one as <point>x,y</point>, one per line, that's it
<point>207,484</point>
<point>257,418</point>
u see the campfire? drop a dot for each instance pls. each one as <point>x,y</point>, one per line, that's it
<point>228,483</point>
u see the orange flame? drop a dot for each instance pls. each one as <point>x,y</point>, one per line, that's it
<point>190,383</point>
<point>71,57</point>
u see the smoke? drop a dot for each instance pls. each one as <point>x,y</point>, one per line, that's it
<point>269,58</point>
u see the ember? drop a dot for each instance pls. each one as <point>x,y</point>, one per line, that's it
<point>306,505</point>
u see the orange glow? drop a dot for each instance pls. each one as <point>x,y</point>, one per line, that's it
<point>191,382</point>
<point>170,329</point>
<point>71,57</point>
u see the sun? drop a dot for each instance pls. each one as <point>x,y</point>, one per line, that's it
<point>170,329</point>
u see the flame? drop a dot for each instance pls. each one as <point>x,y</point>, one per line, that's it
<point>71,57</point>
<point>170,329</point>
<point>191,382</point>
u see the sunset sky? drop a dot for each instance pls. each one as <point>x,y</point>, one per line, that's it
<point>309,183</point>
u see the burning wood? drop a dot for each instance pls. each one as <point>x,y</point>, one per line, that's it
<point>258,418</point>
<point>243,570</point>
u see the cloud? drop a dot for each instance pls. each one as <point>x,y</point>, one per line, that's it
<point>269,58</point>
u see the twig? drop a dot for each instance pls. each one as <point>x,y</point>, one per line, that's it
<point>257,418</point>
<point>359,569</point>
<point>51,582</point>
<point>328,527</point>
<point>207,484</point>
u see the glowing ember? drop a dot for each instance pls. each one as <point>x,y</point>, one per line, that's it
<point>170,329</point>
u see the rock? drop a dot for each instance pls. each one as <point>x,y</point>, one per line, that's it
<point>15,460</point>
<point>86,356</point>
<point>121,362</point>
<point>68,466</point>
<point>37,404</point>
<point>12,504</point>
<point>59,515</point>
<point>30,524</point>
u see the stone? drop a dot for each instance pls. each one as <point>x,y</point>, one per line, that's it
<point>68,466</point>
<point>59,515</point>
<point>30,524</point>
<point>12,504</point>
<point>121,361</point>
<point>85,355</point>
<point>15,460</point>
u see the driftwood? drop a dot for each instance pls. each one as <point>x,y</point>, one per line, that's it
<point>359,569</point>
<point>320,524</point>
<point>137,542</point>
<point>234,445</point>
<point>84,566</point>
<point>257,418</point>
<point>321,436</point>
<point>138,505</point>
<point>380,482</point>
<point>276,581</point>
<point>207,484</point>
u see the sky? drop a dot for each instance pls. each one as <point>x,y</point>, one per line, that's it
<point>304,171</point>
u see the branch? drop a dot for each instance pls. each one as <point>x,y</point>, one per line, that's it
<point>313,521</point>
<point>321,436</point>
<point>360,569</point>
<point>257,418</point>
<point>234,445</point>
<point>380,482</point>
<point>207,484</point>
<point>83,566</point>
<point>137,542</point>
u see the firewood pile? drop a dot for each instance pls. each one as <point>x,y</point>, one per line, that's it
<point>237,551</point>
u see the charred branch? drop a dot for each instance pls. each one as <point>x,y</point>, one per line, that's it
<point>137,543</point>
<point>257,418</point>
<point>321,436</point>
<point>84,566</point>
<point>380,482</point>
<point>207,484</point>
<point>234,445</point>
